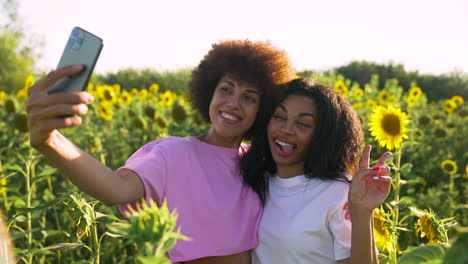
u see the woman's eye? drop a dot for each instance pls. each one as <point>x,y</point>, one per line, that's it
<point>277,116</point>
<point>250,99</point>
<point>225,89</point>
<point>301,124</point>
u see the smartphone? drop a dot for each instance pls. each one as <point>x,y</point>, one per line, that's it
<point>82,48</point>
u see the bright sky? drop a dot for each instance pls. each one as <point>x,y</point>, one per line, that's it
<point>426,35</point>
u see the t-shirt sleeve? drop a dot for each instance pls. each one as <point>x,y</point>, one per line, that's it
<point>340,227</point>
<point>149,163</point>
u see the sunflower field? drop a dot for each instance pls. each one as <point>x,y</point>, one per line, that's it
<point>424,219</point>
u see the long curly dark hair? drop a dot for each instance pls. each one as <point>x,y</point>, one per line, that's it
<point>335,147</point>
<point>256,63</point>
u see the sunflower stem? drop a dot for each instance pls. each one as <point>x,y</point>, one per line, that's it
<point>396,212</point>
<point>451,184</point>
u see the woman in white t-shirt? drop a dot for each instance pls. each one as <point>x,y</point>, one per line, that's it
<point>301,169</point>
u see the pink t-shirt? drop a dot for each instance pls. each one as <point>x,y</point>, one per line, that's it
<point>216,210</point>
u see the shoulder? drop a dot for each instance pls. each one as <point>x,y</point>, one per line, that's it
<point>166,143</point>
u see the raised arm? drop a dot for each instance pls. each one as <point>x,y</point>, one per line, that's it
<point>369,188</point>
<point>46,114</point>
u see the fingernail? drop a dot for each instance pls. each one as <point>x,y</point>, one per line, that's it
<point>376,177</point>
<point>90,98</point>
<point>376,168</point>
<point>83,109</point>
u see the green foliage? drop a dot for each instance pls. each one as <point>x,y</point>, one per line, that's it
<point>423,255</point>
<point>129,78</point>
<point>436,86</point>
<point>15,58</point>
<point>16,63</point>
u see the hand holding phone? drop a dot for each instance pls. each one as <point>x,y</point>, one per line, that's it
<point>82,48</point>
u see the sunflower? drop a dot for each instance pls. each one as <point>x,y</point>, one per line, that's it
<point>29,81</point>
<point>10,106</point>
<point>20,122</point>
<point>105,111</point>
<point>449,166</point>
<point>139,123</point>
<point>134,91</point>
<point>458,99</point>
<point>2,96</point>
<point>388,126</point>
<point>415,92</point>
<point>125,98</point>
<point>371,104</point>
<point>358,93</point>
<point>449,106</point>
<point>90,87</point>
<point>150,112</point>
<point>178,113</point>
<point>341,87</point>
<point>418,133</point>
<point>357,105</point>
<point>412,100</point>
<point>451,125</point>
<point>3,184</point>
<point>384,229</point>
<point>440,133</point>
<point>462,113</point>
<point>466,170</point>
<point>108,94</point>
<point>384,98</point>
<point>154,88</point>
<point>167,98</point>
<point>117,88</point>
<point>142,94</point>
<point>22,94</point>
<point>430,227</point>
<point>424,120</point>
<point>161,123</point>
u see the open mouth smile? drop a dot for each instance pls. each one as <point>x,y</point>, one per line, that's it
<point>230,118</point>
<point>284,148</point>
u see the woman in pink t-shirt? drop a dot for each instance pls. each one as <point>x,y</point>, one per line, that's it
<point>234,88</point>
<point>300,167</point>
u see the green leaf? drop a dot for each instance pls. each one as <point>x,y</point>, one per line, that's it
<point>64,246</point>
<point>105,218</point>
<point>47,172</point>
<point>153,260</point>
<point>42,206</point>
<point>8,176</point>
<point>422,255</point>
<point>406,168</point>
<point>458,253</point>
<point>113,235</point>
<point>14,167</point>
<point>50,233</point>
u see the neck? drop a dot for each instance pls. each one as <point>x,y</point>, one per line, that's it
<point>216,140</point>
<point>289,172</point>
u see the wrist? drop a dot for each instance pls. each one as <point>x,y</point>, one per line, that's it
<point>360,212</point>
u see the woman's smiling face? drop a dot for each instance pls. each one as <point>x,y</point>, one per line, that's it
<point>233,109</point>
<point>290,133</point>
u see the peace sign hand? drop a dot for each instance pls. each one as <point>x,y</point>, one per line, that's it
<point>370,187</point>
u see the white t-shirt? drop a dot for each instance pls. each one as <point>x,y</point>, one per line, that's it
<point>304,221</point>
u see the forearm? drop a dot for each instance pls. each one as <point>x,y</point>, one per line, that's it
<point>362,240</point>
<point>84,171</point>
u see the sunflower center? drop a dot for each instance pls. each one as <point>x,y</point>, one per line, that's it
<point>108,95</point>
<point>391,124</point>
<point>448,167</point>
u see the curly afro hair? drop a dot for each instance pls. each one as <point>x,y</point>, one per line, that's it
<point>256,63</point>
